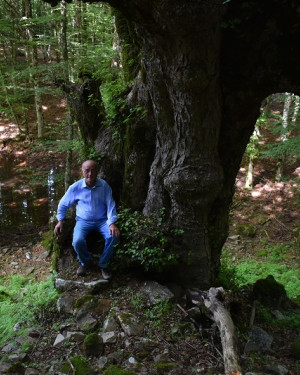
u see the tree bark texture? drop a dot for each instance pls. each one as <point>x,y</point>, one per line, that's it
<point>205,67</point>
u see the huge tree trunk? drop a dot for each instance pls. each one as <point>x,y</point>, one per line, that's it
<point>205,68</point>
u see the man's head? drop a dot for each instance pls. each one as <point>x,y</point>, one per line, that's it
<point>89,171</point>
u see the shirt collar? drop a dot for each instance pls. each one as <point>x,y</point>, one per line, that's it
<point>98,183</point>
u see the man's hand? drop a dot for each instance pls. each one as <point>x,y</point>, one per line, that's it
<point>114,230</point>
<point>58,228</point>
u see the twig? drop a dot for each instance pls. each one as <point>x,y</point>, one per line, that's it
<point>267,234</point>
<point>283,225</point>
<point>252,317</point>
<point>187,315</point>
<point>182,309</point>
<point>71,364</point>
<point>197,350</point>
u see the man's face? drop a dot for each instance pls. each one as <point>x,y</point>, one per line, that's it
<point>90,171</point>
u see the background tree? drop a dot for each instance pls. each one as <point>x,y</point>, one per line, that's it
<point>33,61</point>
<point>285,145</point>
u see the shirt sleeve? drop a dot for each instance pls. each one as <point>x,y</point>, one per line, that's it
<point>66,202</point>
<point>111,207</point>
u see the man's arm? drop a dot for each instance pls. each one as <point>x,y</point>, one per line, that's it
<point>111,206</point>
<point>66,202</point>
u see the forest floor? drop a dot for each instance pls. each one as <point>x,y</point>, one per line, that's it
<point>266,214</point>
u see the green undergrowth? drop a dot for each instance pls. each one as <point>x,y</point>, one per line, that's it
<point>147,242</point>
<point>269,260</point>
<point>21,299</point>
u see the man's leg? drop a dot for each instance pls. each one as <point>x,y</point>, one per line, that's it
<point>81,230</point>
<point>109,247</point>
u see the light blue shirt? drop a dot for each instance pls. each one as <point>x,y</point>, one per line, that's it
<point>92,204</point>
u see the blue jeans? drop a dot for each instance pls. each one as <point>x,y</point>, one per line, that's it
<point>81,230</point>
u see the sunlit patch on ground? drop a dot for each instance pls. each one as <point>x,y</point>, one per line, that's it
<point>8,130</point>
<point>39,202</point>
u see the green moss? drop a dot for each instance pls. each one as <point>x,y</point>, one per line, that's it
<point>126,318</point>
<point>56,255</point>
<point>50,243</point>
<point>296,349</point>
<point>165,365</point>
<point>246,230</point>
<point>80,364</point>
<point>130,50</point>
<point>16,368</point>
<point>93,345</point>
<point>82,300</point>
<point>47,240</point>
<point>116,370</point>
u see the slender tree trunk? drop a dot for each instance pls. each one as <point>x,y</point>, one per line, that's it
<point>65,57</point>
<point>33,58</point>
<point>249,177</point>
<point>252,152</point>
<point>63,35</point>
<point>296,109</point>
<point>7,100</point>
<point>284,134</point>
<point>69,157</point>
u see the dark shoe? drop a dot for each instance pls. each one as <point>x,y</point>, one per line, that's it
<point>105,274</point>
<point>81,271</point>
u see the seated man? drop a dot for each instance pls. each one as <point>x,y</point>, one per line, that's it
<point>95,210</point>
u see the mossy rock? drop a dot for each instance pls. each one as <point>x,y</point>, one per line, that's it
<point>246,230</point>
<point>117,370</point>
<point>16,368</point>
<point>80,364</point>
<point>93,345</point>
<point>296,349</point>
<point>269,292</point>
<point>85,299</point>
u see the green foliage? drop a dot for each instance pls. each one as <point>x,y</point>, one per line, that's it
<point>138,301</point>
<point>135,114</point>
<point>252,150</point>
<point>112,91</point>
<point>234,274</point>
<point>158,313</point>
<point>24,300</point>
<point>290,147</point>
<point>146,241</point>
<point>290,319</point>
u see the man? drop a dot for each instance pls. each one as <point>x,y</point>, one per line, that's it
<point>95,210</point>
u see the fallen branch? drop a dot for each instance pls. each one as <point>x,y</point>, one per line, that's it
<point>227,331</point>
